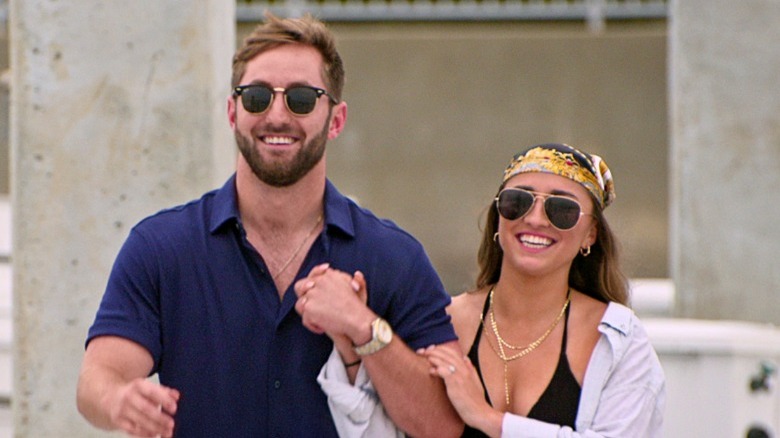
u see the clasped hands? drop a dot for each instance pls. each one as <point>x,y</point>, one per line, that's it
<point>334,303</point>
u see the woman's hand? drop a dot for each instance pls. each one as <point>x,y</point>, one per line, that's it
<point>464,389</point>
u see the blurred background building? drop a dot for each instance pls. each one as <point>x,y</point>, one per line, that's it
<point>442,94</point>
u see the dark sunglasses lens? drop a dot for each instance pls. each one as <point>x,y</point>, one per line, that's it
<point>256,99</point>
<point>513,204</point>
<point>563,213</point>
<point>301,100</point>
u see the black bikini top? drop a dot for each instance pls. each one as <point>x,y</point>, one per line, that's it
<point>559,402</point>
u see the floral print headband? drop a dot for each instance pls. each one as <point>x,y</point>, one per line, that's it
<point>588,170</point>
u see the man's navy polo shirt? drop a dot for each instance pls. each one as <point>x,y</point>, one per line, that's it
<point>189,287</point>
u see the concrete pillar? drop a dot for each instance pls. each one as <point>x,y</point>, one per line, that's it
<point>118,110</point>
<point>725,159</point>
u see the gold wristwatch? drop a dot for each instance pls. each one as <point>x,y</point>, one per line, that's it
<point>381,335</point>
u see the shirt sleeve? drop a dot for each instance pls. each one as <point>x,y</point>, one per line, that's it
<point>631,416</point>
<point>403,288</point>
<point>130,305</point>
<point>356,409</point>
<point>421,313</point>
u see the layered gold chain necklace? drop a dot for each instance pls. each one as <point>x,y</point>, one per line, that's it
<point>503,344</point>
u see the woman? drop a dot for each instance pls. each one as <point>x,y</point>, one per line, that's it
<point>553,351</point>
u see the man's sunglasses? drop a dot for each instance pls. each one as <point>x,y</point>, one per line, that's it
<point>300,99</point>
<point>562,212</point>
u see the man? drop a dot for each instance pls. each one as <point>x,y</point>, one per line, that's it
<point>203,294</point>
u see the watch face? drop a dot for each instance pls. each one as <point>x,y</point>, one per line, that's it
<point>383,331</point>
<point>381,335</point>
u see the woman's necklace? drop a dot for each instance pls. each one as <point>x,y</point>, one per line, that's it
<point>300,247</point>
<point>501,353</point>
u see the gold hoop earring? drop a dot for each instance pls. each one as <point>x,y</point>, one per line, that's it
<point>585,251</point>
<point>495,238</point>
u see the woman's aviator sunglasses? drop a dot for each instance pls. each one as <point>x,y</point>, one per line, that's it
<point>562,212</point>
<point>300,99</point>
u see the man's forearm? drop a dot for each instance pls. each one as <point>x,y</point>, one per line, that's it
<point>90,394</point>
<point>416,401</point>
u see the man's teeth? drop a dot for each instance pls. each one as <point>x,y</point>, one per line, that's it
<point>535,241</point>
<point>278,140</point>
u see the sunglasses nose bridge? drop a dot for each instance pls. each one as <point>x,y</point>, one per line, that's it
<point>280,102</point>
<point>536,210</point>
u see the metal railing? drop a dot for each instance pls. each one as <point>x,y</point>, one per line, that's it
<point>593,11</point>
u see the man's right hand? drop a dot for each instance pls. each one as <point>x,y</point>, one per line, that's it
<point>114,392</point>
<point>143,408</point>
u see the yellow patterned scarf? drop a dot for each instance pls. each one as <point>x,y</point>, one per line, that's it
<point>588,170</point>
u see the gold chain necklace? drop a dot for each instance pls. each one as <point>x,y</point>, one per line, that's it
<point>300,247</point>
<point>501,353</point>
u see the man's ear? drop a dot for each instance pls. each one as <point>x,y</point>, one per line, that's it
<point>338,119</point>
<point>231,112</point>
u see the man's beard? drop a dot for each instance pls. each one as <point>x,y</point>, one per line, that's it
<point>283,174</point>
